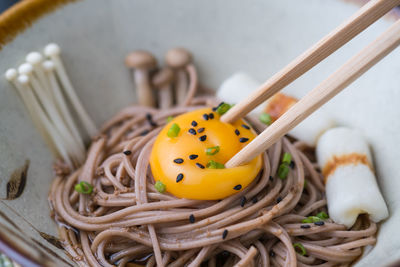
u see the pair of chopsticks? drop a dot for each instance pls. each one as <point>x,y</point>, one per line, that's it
<point>336,82</point>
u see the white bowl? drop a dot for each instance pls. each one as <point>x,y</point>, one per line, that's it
<point>255,36</point>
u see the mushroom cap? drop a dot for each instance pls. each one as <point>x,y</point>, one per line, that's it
<point>178,57</point>
<point>141,59</point>
<point>163,77</point>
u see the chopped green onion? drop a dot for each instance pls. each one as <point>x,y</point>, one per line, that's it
<point>173,131</point>
<point>169,119</point>
<point>222,109</point>
<point>212,150</point>
<point>311,219</point>
<point>160,187</point>
<point>287,158</point>
<point>305,183</point>
<point>300,249</point>
<point>265,118</point>
<point>283,171</point>
<point>84,188</point>
<point>322,215</point>
<point>215,165</point>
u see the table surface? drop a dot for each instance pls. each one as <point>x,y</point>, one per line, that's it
<point>4,4</point>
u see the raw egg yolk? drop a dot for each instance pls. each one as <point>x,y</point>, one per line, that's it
<point>189,153</point>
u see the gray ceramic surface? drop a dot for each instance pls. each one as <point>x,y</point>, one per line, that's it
<point>255,36</point>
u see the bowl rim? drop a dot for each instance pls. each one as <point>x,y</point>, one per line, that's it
<point>23,14</point>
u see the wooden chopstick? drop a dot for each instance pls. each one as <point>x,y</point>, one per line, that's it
<point>358,22</point>
<point>327,89</point>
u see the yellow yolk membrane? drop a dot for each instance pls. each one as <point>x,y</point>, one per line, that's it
<point>202,183</point>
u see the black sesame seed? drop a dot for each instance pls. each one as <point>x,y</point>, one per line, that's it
<point>271,178</point>
<point>243,201</point>
<point>254,200</point>
<point>279,199</point>
<point>320,223</point>
<point>291,165</point>
<point>178,160</point>
<point>214,109</point>
<point>149,117</point>
<point>237,187</point>
<point>272,254</point>
<point>243,140</point>
<point>305,226</point>
<point>127,152</point>
<point>237,132</point>
<point>194,123</point>
<point>144,132</point>
<point>203,138</point>
<point>225,253</point>
<point>224,234</point>
<point>220,104</point>
<point>200,130</point>
<point>201,166</point>
<point>211,116</point>
<point>193,156</point>
<point>246,126</point>
<point>205,116</point>
<point>179,177</point>
<point>153,124</point>
<point>191,218</point>
<point>192,131</point>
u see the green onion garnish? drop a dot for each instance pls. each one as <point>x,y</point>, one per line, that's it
<point>311,219</point>
<point>169,119</point>
<point>265,118</point>
<point>160,187</point>
<point>300,249</point>
<point>215,165</point>
<point>287,158</point>
<point>173,131</point>
<point>322,215</point>
<point>212,150</point>
<point>305,183</point>
<point>283,171</point>
<point>222,109</point>
<point>84,188</point>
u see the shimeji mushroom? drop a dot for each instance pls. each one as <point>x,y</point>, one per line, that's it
<point>142,62</point>
<point>162,80</point>
<point>50,77</point>
<point>77,153</point>
<point>53,51</point>
<point>180,60</point>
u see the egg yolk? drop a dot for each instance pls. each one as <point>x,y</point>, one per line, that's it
<point>183,165</point>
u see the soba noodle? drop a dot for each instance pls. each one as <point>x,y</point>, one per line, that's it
<point>126,220</point>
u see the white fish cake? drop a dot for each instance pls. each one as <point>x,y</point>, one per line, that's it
<point>310,129</point>
<point>237,87</point>
<point>351,188</point>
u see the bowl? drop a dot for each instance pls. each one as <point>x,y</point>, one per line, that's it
<point>258,37</point>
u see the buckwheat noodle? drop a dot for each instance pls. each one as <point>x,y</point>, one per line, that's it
<point>126,220</point>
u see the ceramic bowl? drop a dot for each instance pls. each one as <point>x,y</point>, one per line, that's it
<point>255,36</point>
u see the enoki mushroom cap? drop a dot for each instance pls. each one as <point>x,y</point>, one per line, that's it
<point>48,65</point>
<point>11,74</point>
<point>23,79</point>
<point>52,49</point>
<point>178,57</point>
<point>163,77</point>
<point>141,60</point>
<point>25,68</point>
<point>34,58</point>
